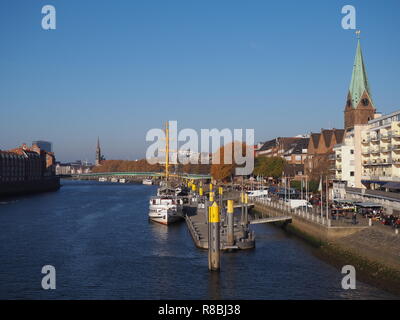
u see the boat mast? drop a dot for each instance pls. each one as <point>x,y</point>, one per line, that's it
<point>166,151</point>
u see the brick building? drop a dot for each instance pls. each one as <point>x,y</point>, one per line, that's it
<point>26,164</point>
<point>292,149</point>
<point>320,152</point>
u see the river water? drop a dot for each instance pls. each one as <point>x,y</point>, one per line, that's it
<point>102,245</point>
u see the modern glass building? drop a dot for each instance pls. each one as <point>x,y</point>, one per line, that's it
<point>44,145</point>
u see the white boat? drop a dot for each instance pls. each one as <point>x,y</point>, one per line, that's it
<point>147,182</point>
<point>114,180</point>
<point>102,179</point>
<point>257,193</point>
<point>122,180</point>
<point>165,209</point>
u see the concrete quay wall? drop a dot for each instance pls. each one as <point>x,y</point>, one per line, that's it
<point>16,188</point>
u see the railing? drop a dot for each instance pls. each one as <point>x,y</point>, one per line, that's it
<point>310,214</point>
<point>385,136</point>
<point>281,208</point>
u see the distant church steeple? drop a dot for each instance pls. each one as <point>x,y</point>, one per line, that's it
<point>99,157</point>
<point>359,107</point>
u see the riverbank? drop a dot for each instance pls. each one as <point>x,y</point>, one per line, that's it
<point>372,251</point>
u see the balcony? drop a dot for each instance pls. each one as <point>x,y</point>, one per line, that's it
<point>385,149</point>
<point>372,163</point>
<point>396,134</point>
<point>374,150</point>
<point>386,136</point>
<point>365,140</point>
<point>374,138</point>
<point>385,161</point>
<point>396,147</point>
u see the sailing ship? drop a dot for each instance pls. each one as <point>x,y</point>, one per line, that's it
<point>166,207</point>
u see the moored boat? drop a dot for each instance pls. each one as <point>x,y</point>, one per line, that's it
<point>147,182</point>
<point>165,209</point>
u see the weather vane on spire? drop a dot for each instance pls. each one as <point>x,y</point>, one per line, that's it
<point>358,34</point>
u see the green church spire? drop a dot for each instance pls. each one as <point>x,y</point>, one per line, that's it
<point>359,80</point>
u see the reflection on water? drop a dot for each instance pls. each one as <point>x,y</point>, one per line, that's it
<point>214,286</point>
<point>99,239</point>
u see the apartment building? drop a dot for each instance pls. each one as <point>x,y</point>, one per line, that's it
<point>381,153</point>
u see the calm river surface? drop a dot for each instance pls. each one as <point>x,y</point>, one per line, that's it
<point>102,245</point>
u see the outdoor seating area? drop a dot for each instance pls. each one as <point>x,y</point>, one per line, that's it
<point>348,208</point>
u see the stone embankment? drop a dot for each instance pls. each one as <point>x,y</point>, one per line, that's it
<point>373,250</point>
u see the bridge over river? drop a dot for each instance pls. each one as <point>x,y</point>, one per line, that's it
<point>130,175</point>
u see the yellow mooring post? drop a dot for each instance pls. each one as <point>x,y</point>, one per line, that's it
<point>193,187</point>
<point>211,187</point>
<point>246,203</point>
<point>229,215</point>
<point>242,207</point>
<point>220,192</point>
<point>211,196</point>
<point>213,238</point>
<point>201,191</point>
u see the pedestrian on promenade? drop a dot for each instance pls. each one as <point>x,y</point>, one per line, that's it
<point>354,218</point>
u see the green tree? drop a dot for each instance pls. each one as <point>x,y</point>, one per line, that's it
<point>269,167</point>
<point>312,185</point>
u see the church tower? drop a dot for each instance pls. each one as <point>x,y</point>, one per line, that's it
<point>98,153</point>
<point>359,107</point>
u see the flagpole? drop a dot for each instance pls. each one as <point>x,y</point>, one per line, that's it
<point>307,193</point>
<point>327,197</point>
<point>321,188</point>
<point>284,179</point>
<point>301,188</point>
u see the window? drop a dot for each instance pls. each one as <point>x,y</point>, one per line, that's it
<point>351,173</point>
<point>352,151</point>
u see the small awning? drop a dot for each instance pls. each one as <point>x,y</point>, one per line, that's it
<point>392,185</point>
<point>345,200</point>
<point>368,205</point>
<point>374,181</point>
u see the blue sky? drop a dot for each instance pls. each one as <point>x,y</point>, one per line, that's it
<point>116,69</point>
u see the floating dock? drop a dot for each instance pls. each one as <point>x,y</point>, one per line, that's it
<point>197,221</point>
